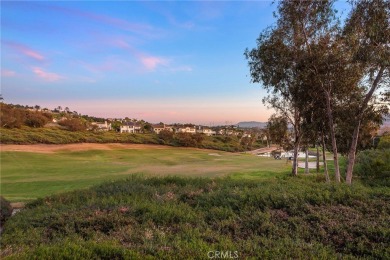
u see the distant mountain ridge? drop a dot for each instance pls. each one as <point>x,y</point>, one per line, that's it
<point>250,124</point>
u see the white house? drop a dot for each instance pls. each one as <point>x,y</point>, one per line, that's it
<point>206,131</point>
<point>247,135</point>
<point>102,126</point>
<point>191,130</point>
<point>160,127</point>
<point>130,127</point>
<point>228,132</point>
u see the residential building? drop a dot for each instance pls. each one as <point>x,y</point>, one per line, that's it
<point>191,130</point>
<point>206,131</point>
<point>160,127</point>
<point>102,126</point>
<point>130,127</point>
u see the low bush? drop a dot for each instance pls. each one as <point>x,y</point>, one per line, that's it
<point>384,142</point>
<point>5,210</point>
<point>373,164</point>
<point>172,217</point>
<point>74,124</point>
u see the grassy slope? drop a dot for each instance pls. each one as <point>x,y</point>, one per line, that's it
<point>185,218</point>
<point>26,176</point>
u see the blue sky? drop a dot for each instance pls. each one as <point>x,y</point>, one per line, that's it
<point>151,60</point>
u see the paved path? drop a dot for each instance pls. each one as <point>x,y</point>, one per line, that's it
<point>312,165</point>
<point>263,150</point>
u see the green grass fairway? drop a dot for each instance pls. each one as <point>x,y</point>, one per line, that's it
<point>29,175</point>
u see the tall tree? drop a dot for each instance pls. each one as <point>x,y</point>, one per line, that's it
<point>278,130</point>
<point>330,70</point>
<point>367,32</point>
<point>279,60</point>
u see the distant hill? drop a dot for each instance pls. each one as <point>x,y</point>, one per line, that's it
<point>251,124</point>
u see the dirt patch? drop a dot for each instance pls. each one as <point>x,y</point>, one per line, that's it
<point>52,148</point>
<point>17,205</point>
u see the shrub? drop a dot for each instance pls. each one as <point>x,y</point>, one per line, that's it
<point>74,124</point>
<point>384,142</point>
<point>166,136</point>
<point>185,139</point>
<point>5,210</point>
<point>35,119</point>
<point>11,117</point>
<point>173,217</point>
<point>373,163</point>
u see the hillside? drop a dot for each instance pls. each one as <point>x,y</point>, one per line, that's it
<point>172,218</point>
<point>28,135</point>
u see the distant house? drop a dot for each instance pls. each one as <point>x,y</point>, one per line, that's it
<point>206,131</point>
<point>56,120</point>
<point>160,127</point>
<point>130,127</point>
<point>102,126</point>
<point>247,135</point>
<point>191,130</point>
<point>228,132</point>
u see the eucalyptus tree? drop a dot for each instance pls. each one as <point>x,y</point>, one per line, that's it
<point>279,60</point>
<point>278,130</point>
<point>367,33</point>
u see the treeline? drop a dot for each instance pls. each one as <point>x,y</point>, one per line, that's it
<point>329,80</point>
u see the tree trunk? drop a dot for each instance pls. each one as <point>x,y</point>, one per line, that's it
<point>352,154</point>
<point>295,159</point>
<point>297,141</point>
<point>318,159</point>
<point>324,159</point>
<point>307,160</point>
<point>355,136</point>
<point>333,137</point>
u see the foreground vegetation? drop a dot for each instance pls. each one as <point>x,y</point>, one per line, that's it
<point>186,218</point>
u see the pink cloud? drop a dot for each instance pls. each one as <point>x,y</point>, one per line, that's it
<point>151,62</point>
<point>8,73</point>
<point>25,50</point>
<point>148,61</point>
<point>47,76</point>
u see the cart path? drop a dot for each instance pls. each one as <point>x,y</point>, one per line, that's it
<point>263,150</point>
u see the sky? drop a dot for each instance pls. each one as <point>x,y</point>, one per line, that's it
<point>161,61</point>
